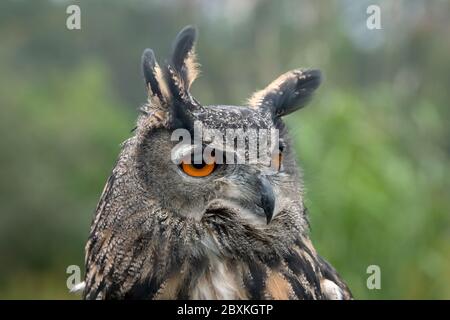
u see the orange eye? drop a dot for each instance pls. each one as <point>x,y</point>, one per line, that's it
<point>198,170</point>
<point>277,158</point>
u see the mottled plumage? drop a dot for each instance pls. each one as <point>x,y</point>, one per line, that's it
<point>238,233</point>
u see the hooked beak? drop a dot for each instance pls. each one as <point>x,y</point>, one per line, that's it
<point>267,198</point>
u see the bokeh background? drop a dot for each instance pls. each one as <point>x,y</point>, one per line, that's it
<point>374,143</point>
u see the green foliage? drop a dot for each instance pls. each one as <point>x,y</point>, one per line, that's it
<point>374,143</point>
<point>370,200</point>
<point>60,140</point>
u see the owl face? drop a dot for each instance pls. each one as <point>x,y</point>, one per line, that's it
<point>193,157</point>
<point>255,188</point>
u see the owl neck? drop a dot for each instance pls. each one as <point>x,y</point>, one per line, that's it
<point>189,257</point>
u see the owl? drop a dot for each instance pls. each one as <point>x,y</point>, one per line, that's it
<point>169,226</point>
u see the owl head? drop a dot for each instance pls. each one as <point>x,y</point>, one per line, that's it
<point>206,202</point>
<point>193,159</point>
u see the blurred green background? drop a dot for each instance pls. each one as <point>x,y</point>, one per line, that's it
<point>374,143</point>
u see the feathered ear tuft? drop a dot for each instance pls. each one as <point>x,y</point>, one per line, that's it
<point>154,77</point>
<point>192,67</point>
<point>184,59</point>
<point>288,93</point>
<point>168,86</point>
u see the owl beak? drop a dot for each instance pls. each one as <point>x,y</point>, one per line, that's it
<point>267,198</point>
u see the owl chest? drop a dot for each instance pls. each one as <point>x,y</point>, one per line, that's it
<point>218,281</point>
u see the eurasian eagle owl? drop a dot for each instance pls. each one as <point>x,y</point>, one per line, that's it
<point>168,226</point>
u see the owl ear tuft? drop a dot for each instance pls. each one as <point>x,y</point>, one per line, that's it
<point>154,77</point>
<point>184,59</point>
<point>288,93</point>
<point>169,86</point>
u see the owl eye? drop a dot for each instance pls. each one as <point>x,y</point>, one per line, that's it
<point>198,169</point>
<point>277,159</point>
